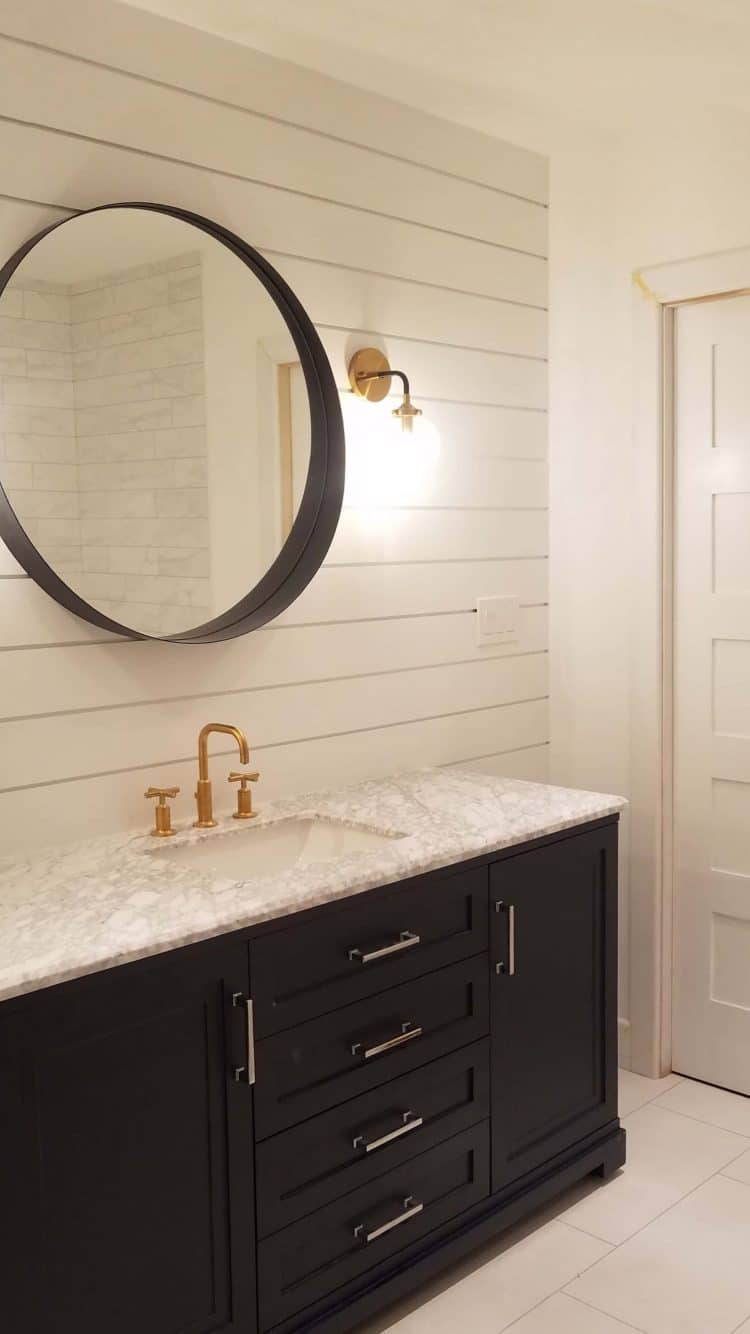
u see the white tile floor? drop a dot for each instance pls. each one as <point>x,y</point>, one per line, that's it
<point>663,1247</point>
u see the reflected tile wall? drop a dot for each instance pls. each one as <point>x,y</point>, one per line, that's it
<point>102,436</point>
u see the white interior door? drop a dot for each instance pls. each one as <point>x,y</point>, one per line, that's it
<point>711,990</point>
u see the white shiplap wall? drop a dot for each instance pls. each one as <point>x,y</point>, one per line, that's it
<point>392,227</point>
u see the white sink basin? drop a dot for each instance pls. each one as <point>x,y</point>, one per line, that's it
<point>270,849</point>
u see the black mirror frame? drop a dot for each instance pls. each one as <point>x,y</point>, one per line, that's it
<point>317,518</point>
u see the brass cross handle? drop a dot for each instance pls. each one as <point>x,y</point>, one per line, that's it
<point>162,813</point>
<point>244,795</point>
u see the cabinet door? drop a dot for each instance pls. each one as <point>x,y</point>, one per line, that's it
<point>554,999</point>
<point>126,1153</point>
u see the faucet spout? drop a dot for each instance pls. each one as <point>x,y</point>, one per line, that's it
<point>203,795</point>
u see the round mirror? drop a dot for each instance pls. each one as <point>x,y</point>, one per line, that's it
<point>171,441</point>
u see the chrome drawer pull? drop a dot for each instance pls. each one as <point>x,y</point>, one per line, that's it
<point>410,1122</point>
<point>406,940</point>
<point>406,1035</point>
<point>412,1207</point>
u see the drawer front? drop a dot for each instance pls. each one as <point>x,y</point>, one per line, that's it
<point>311,1258</point>
<point>306,1070</point>
<point>367,947</point>
<point>307,1167</point>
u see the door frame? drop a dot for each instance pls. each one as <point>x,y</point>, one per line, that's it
<point>658,292</point>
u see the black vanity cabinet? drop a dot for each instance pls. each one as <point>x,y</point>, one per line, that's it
<point>553,957</point>
<point>432,1061</point>
<point>126,1153</point>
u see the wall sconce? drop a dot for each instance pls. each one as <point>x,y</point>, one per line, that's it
<point>391,456</point>
<point>370,376</point>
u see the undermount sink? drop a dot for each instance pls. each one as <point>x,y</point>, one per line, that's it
<point>270,849</point>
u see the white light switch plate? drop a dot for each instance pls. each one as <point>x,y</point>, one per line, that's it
<point>497,620</point>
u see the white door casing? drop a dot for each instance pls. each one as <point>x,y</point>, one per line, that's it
<point>711,929</point>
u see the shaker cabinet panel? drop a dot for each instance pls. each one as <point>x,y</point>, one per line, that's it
<point>367,946</point>
<point>553,956</point>
<point>306,1070</point>
<point>132,1183</point>
<point>304,1262</point>
<point>302,1169</point>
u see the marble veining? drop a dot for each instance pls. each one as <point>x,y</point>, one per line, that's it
<point>76,909</point>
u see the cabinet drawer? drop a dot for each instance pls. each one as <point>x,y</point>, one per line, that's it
<point>311,1258</point>
<point>306,1070</point>
<point>305,1168</point>
<point>367,947</point>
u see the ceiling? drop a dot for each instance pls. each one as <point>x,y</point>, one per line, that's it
<point>532,70</point>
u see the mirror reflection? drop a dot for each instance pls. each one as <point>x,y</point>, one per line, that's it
<point>154,428</point>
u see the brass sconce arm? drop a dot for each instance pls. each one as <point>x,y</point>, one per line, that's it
<point>370,377</point>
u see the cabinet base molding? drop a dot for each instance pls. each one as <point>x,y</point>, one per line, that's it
<point>601,1153</point>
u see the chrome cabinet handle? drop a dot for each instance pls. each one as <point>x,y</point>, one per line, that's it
<point>412,1207</point>
<point>406,1035</point>
<point>410,1122</point>
<point>248,1071</point>
<point>510,908</point>
<point>406,941</point>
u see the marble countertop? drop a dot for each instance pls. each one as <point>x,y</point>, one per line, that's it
<point>79,908</point>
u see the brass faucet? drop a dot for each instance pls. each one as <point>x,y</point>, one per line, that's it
<point>203,790</point>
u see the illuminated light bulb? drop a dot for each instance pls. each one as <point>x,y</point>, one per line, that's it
<point>387,465</point>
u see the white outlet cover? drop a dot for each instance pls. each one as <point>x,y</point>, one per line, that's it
<point>497,620</point>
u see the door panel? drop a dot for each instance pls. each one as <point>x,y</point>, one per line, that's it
<point>554,969</point>
<point>711,997</point>
<point>128,1175</point>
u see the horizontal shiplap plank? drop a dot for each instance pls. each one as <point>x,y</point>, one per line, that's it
<point>359,591</point>
<point>157,48</point>
<point>476,430</point>
<point>530,763</point>
<point>47,749</point>
<point>453,481</point>
<point>79,174</point>
<point>437,535</point>
<point>356,300</point>
<point>515,483</point>
<point>29,617</point>
<point>49,88</point>
<point>116,802</point>
<point>115,674</point>
<point>441,372</point>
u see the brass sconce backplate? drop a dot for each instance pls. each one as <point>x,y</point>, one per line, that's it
<point>369,361</point>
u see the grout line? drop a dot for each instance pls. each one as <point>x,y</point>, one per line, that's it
<point>647,1102</point>
<point>698,1119</point>
<point>742,1325</point>
<point>225,174</point>
<point>271,745</point>
<point>278,120</point>
<point>560,1292</point>
<point>636,1329</point>
<point>698,1186</point>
